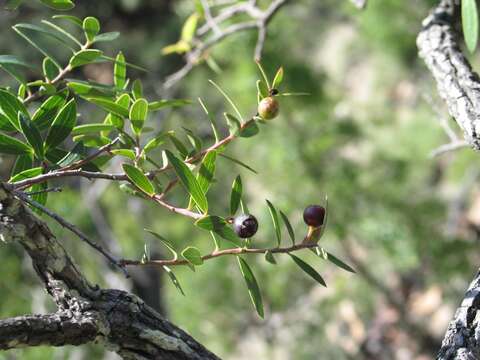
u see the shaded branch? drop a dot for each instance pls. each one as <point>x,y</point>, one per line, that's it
<point>122,321</point>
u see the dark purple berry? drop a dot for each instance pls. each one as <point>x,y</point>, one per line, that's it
<point>245,225</point>
<point>274,92</point>
<point>314,215</point>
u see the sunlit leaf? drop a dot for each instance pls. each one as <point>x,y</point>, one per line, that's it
<point>138,178</point>
<point>174,279</point>
<point>289,227</point>
<point>91,27</point>
<point>470,23</point>
<point>189,181</point>
<point>32,134</point>
<point>277,80</point>
<point>10,106</point>
<point>219,226</point>
<point>161,104</point>
<point>138,114</point>
<point>119,71</point>
<point>167,243</point>
<point>47,111</point>
<point>91,128</point>
<point>192,255</point>
<point>10,145</point>
<point>61,5</point>
<point>236,195</point>
<point>26,174</point>
<point>84,57</point>
<point>236,161</point>
<point>269,257</point>
<point>188,30</point>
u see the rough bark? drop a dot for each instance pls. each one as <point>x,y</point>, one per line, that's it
<point>459,86</point>
<point>118,319</point>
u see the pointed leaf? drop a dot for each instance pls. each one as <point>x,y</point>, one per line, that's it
<point>174,279</point>
<point>188,181</point>
<point>61,5</point>
<point>276,225</point>
<point>238,162</point>
<point>269,257</point>
<point>109,106</point>
<point>277,80</point>
<point>219,226</point>
<point>192,255</point>
<point>308,269</point>
<point>207,171</point>
<point>167,243</point>
<point>62,125</point>
<point>236,195</point>
<point>92,128</point>
<point>156,141</point>
<point>289,227</point>
<point>10,145</point>
<point>32,134</point>
<point>252,286</point>
<point>10,106</point>
<point>23,162</point>
<point>47,111</point>
<point>26,174</point>
<point>161,104</point>
<point>138,178</point>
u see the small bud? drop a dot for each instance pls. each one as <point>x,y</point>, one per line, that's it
<point>268,108</point>
<point>314,215</point>
<point>245,225</point>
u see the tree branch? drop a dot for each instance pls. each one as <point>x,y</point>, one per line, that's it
<point>459,86</point>
<point>119,319</point>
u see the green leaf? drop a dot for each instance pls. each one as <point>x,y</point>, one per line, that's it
<point>233,124</point>
<point>109,106</point>
<point>61,5</point>
<point>10,145</point>
<point>137,89</point>
<point>167,243</point>
<point>130,154</point>
<point>308,269</point>
<point>251,129</point>
<point>119,71</point>
<point>289,227</point>
<point>5,124</point>
<point>207,171</point>
<point>269,257</point>
<point>62,125</point>
<point>84,57</point>
<point>155,142</point>
<point>77,153</point>
<point>174,279</point>
<point>330,257</point>
<point>92,128</point>
<point>238,162</point>
<point>10,106</point>
<point>32,134</point>
<point>14,60</point>
<point>91,89</point>
<point>91,27</point>
<point>178,145</point>
<point>194,140</point>
<point>39,198</point>
<point>50,70</point>
<point>108,36</point>
<point>264,74</point>
<point>26,174</point>
<point>262,90</point>
<point>138,114</point>
<point>161,104</point>
<point>70,18</point>
<point>189,28</point>
<point>138,178</point>
<point>67,38</point>
<point>252,286</point>
<point>23,162</point>
<point>277,80</point>
<point>276,225</point>
<point>117,121</point>
<point>188,181</point>
<point>30,34</point>
<point>219,226</point>
<point>470,23</point>
<point>236,195</point>
<point>192,255</point>
<point>47,111</point>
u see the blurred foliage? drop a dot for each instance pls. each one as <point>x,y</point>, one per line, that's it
<point>363,137</point>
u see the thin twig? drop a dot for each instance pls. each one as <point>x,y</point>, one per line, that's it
<point>55,189</point>
<point>459,144</point>
<point>218,253</point>
<point>101,150</point>
<point>116,262</point>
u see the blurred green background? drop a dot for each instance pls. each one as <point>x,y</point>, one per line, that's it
<point>407,222</point>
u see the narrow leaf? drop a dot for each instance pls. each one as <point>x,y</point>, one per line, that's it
<point>32,134</point>
<point>26,174</point>
<point>92,128</point>
<point>138,178</point>
<point>138,114</point>
<point>10,145</point>
<point>207,171</point>
<point>119,71</point>
<point>470,23</point>
<point>188,181</point>
<point>238,162</point>
<point>109,106</point>
<point>308,269</point>
<point>219,226</point>
<point>61,5</point>
<point>252,286</point>
<point>47,111</point>
<point>236,195</point>
<point>276,225</point>
<point>289,227</point>
<point>167,243</point>
<point>277,80</point>
<point>173,278</point>
<point>62,125</point>
<point>161,104</point>
<point>10,106</point>
<point>269,257</point>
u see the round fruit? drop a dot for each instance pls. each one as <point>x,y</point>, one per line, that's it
<point>314,215</point>
<point>245,225</point>
<point>268,108</point>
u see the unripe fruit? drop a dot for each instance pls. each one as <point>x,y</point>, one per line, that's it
<point>268,108</point>
<point>314,215</point>
<point>245,225</point>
